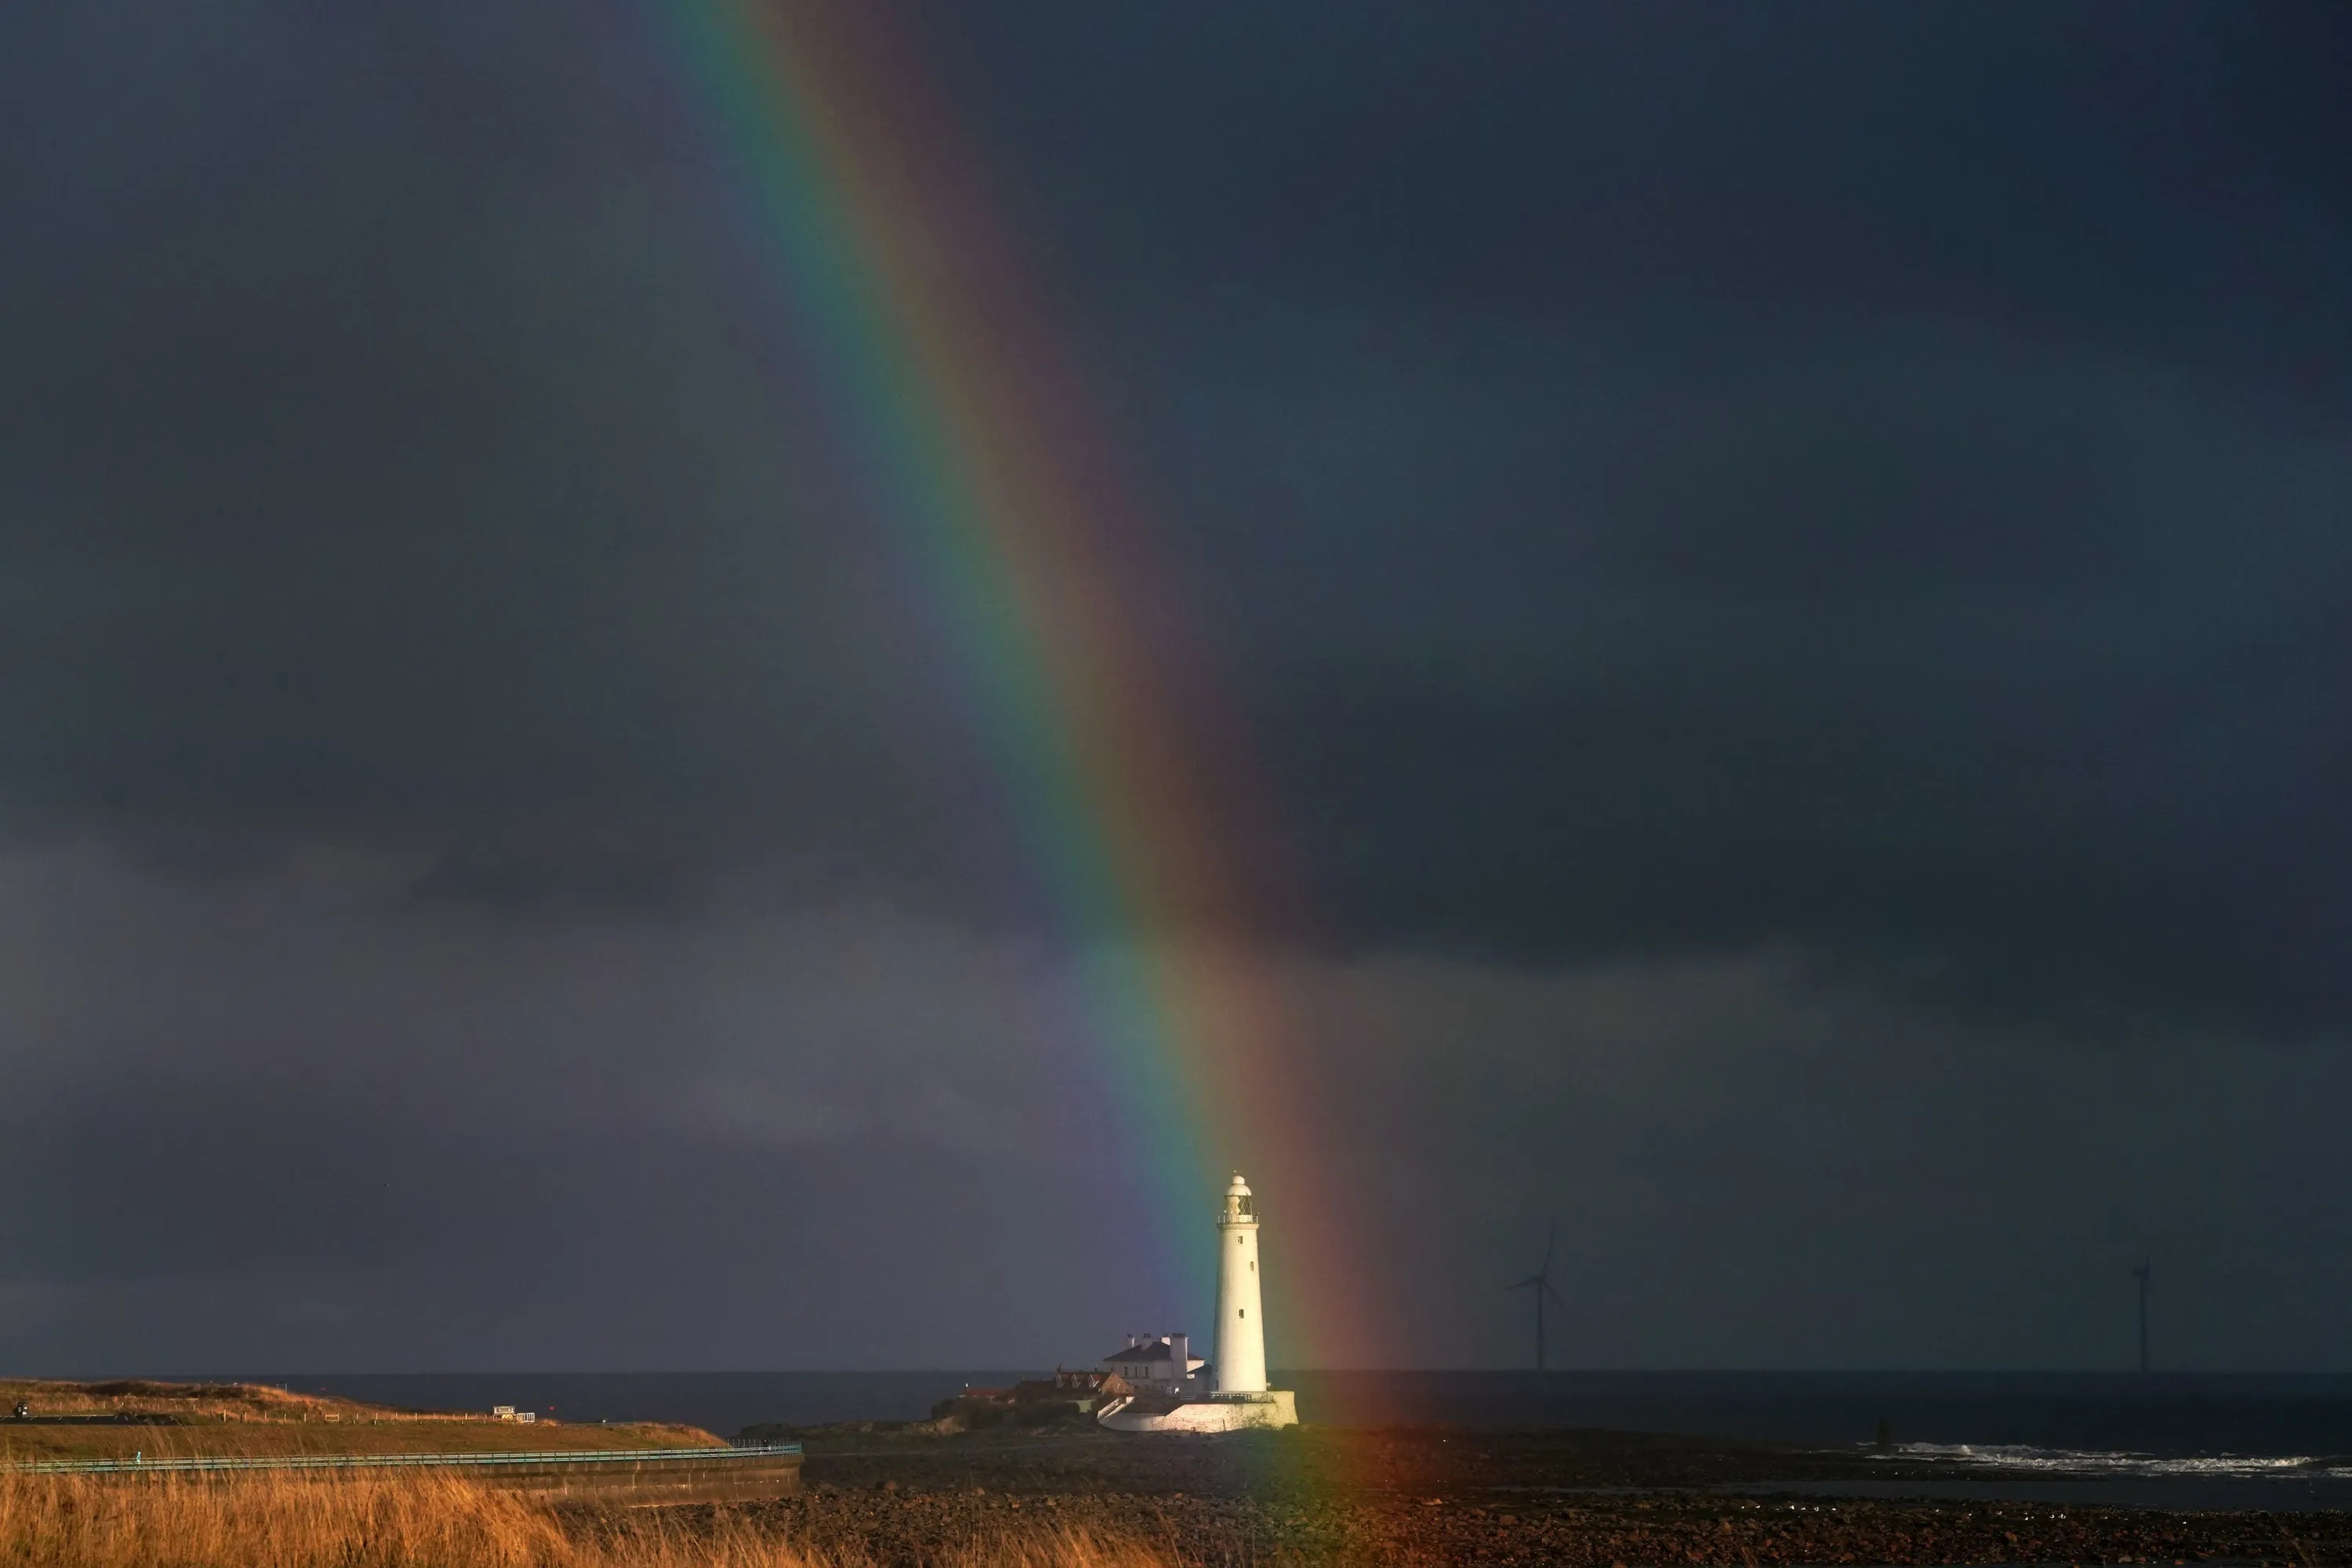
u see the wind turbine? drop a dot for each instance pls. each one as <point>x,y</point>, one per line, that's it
<point>2140,1274</point>
<point>1540,1283</point>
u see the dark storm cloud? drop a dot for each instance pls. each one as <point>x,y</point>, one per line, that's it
<point>284,1117</point>
<point>1871,480</point>
<point>1868,480</point>
<point>400,448</point>
<point>1958,650</point>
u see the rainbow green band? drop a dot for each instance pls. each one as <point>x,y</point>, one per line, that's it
<point>962,418</point>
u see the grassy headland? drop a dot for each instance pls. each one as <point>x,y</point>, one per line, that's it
<point>168,1420</point>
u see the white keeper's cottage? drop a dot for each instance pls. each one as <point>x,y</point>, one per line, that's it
<point>1163,1362</point>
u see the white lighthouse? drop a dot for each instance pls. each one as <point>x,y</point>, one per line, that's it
<point>1242,1399</point>
<point>1240,1321</point>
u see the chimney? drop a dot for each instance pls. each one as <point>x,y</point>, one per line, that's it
<point>1179,1352</point>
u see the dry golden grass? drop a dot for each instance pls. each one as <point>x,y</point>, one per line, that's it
<point>427,1522</point>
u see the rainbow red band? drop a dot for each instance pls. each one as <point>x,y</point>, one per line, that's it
<point>970,427</point>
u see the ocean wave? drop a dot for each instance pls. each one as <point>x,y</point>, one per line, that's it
<point>2019,1457</point>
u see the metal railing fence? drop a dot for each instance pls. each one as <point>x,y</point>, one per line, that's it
<point>141,1464</point>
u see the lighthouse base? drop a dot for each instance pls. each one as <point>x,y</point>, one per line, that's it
<point>1218,1413</point>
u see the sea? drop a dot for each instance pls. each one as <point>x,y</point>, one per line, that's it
<point>2161,1440</point>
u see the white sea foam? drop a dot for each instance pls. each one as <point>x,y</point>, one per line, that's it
<point>2015,1458</point>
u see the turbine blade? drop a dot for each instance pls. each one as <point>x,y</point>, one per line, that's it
<point>1551,1238</point>
<point>1557,1299</point>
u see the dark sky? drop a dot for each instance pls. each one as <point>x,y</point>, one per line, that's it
<point>1784,569</point>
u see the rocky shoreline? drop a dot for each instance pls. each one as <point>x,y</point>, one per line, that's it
<point>1436,1497</point>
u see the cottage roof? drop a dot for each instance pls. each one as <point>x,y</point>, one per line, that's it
<point>1150,1350</point>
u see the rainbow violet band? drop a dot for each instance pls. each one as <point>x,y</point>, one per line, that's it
<point>969,428</point>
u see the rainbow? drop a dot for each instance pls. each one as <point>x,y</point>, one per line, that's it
<point>1085,682</point>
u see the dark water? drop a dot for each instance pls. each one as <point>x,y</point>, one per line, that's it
<point>2164,1416</point>
<point>2182,1441</point>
